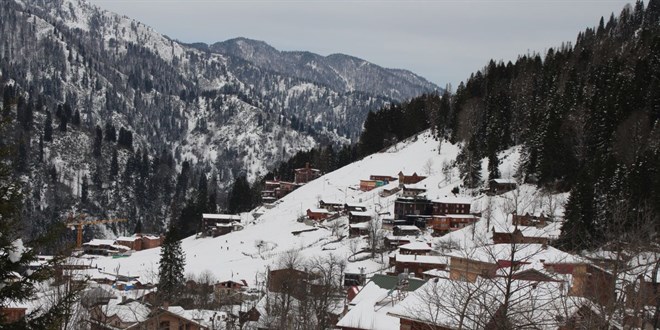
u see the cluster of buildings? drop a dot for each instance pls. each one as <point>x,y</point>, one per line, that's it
<point>214,225</point>
<point>276,189</point>
<point>122,246</point>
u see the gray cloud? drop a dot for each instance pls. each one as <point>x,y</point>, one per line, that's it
<point>442,40</point>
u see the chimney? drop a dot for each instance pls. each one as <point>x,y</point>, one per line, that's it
<point>166,305</point>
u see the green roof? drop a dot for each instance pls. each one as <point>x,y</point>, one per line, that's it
<point>390,282</point>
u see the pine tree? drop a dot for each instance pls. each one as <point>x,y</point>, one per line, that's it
<point>96,148</point>
<point>48,128</point>
<point>114,166</point>
<point>171,268</point>
<point>15,259</point>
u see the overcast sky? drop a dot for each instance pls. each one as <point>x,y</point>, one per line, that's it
<point>441,40</point>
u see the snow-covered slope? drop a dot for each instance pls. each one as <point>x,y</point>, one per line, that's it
<point>245,254</point>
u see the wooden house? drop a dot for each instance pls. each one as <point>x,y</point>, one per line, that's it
<point>384,178</point>
<point>358,229</point>
<point>295,282</point>
<point>500,186</point>
<point>417,264</point>
<point>139,242</point>
<point>177,318</point>
<point>285,188</point>
<point>357,216</point>
<point>530,220</point>
<point>406,230</point>
<point>332,206</point>
<point>410,179</point>
<point>104,247</point>
<point>418,248</point>
<point>218,224</point>
<point>348,207</point>
<point>451,205</point>
<point>12,314</point>
<point>412,205</point>
<point>318,214</point>
<point>412,190</point>
<point>517,236</point>
<point>306,174</point>
<point>443,224</point>
<point>393,242</point>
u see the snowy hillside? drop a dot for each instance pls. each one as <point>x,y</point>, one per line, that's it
<point>247,253</point>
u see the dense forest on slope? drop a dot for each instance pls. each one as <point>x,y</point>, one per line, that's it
<point>587,116</point>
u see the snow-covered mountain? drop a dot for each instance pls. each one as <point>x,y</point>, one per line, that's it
<point>225,115</point>
<point>341,72</point>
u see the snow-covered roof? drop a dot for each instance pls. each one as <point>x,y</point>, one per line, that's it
<point>407,227</point>
<point>522,252</point>
<point>360,225</point>
<point>315,210</point>
<point>504,181</point>
<point>360,213</point>
<point>551,230</point>
<point>441,302</point>
<point>453,200</point>
<point>127,239</point>
<point>436,260</point>
<point>416,186</point>
<point>356,205</point>
<point>457,216</point>
<point>331,202</point>
<point>221,216</point>
<point>202,317</point>
<point>420,246</point>
<point>436,273</point>
<point>105,242</point>
<point>131,312</point>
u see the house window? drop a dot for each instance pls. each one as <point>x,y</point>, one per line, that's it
<point>164,325</point>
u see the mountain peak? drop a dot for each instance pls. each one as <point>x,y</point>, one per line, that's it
<point>340,71</point>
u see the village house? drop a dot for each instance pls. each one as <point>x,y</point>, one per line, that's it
<point>357,216</point>
<point>413,190</point>
<point>443,224</point>
<point>416,312</point>
<point>348,207</point>
<point>384,178</point>
<point>393,242</point>
<point>104,247</point>
<point>215,225</point>
<point>406,230</point>
<point>530,220</point>
<point>389,192</point>
<point>177,318</point>
<point>368,306</point>
<point>368,185</point>
<point>517,236</point>
<point>358,229</point>
<point>500,186</point>
<point>295,282</point>
<point>118,314</point>
<point>306,174</point>
<point>451,205</point>
<point>404,206</point>
<point>318,214</point>
<point>332,206</point>
<point>139,242</point>
<point>12,313</point>
<point>418,248</point>
<point>409,179</point>
<point>419,220</point>
<point>417,264</point>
